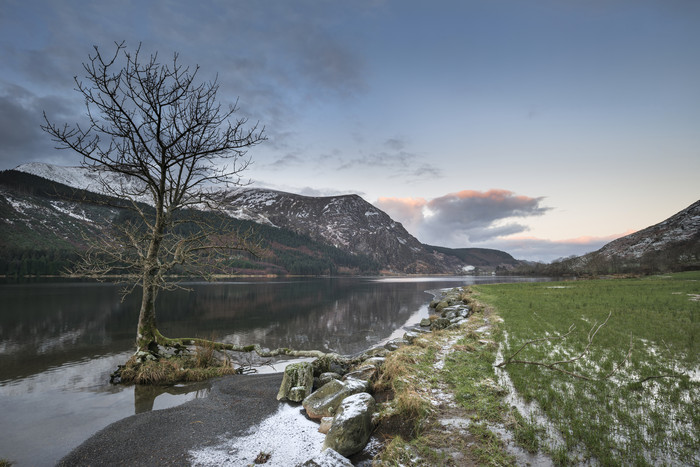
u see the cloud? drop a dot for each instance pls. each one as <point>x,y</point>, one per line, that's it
<point>545,250</point>
<point>285,162</point>
<point>398,162</point>
<point>279,59</point>
<point>463,218</point>
<point>21,117</point>
<point>485,219</point>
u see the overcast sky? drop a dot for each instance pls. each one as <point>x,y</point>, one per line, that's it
<point>544,128</point>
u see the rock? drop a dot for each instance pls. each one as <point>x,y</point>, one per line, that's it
<point>375,352</point>
<point>325,401</point>
<point>364,373</point>
<point>363,384</point>
<point>297,382</point>
<point>425,322</point>
<point>352,426</point>
<point>330,363</point>
<point>411,336</point>
<point>327,458</point>
<point>440,323</point>
<point>442,305</point>
<point>326,377</point>
<point>394,344</point>
<point>325,425</point>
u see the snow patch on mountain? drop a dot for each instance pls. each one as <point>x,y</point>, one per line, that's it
<point>75,177</point>
<point>92,180</point>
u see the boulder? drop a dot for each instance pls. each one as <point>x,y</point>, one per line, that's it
<point>425,322</point>
<point>330,364</point>
<point>411,336</point>
<point>394,344</point>
<point>326,377</point>
<point>441,305</point>
<point>325,401</point>
<point>327,458</point>
<point>440,323</point>
<point>352,426</point>
<point>364,373</point>
<point>297,382</point>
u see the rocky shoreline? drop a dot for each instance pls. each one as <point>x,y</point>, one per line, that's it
<point>337,392</point>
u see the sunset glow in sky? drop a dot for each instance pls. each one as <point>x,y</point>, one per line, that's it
<point>544,128</point>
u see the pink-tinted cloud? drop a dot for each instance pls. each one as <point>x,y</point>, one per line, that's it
<point>545,250</point>
<point>463,218</point>
<point>408,211</point>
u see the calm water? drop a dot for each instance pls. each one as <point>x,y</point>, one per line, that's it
<point>60,341</point>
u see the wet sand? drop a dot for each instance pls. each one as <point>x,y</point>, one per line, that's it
<point>165,437</point>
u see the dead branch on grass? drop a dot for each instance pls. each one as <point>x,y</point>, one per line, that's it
<point>557,365</point>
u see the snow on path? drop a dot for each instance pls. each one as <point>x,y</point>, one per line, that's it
<point>289,438</point>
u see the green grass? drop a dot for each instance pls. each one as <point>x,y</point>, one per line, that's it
<point>625,418</point>
<point>468,373</point>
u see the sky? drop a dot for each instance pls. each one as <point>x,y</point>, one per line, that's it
<point>544,128</point>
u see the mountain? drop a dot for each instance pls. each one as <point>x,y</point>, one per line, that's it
<point>347,222</point>
<point>480,257</point>
<point>45,207</point>
<point>671,245</point>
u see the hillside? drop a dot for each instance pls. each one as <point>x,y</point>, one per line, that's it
<point>671,245</point>
<point>479,257</point>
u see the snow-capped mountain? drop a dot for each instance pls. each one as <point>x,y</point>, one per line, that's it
<point>347,222</point>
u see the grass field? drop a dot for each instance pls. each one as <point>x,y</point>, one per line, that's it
<point>633,396</point>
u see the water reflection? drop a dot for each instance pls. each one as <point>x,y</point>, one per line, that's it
<point>147,398</point>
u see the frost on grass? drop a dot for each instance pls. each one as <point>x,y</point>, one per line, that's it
<point>287,437</point>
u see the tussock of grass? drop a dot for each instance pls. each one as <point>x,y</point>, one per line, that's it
<point>202,365</point>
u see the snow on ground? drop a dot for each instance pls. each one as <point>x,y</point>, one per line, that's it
<point>289,438</point>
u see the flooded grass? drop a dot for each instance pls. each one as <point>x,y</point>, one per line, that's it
<point>639,403</point>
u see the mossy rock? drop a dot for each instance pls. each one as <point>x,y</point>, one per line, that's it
<point>297,382</point>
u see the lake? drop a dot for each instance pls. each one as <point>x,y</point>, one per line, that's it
<point>59,342</point>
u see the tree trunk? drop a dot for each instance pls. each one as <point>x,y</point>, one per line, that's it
<point>146,335</point>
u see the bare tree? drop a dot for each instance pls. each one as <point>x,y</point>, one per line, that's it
<point>154,134</point>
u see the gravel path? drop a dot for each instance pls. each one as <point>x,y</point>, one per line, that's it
<point>164,437</point>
